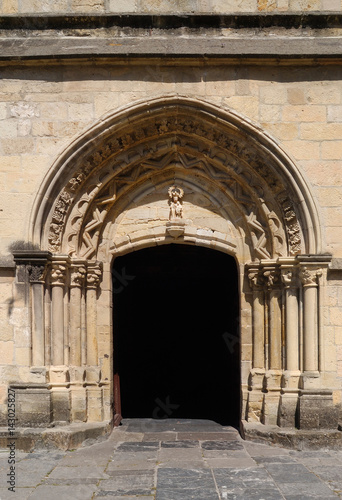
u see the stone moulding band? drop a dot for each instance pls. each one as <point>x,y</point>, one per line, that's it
<point>163,36</point>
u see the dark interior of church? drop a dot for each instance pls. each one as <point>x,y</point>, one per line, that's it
<point>176,340</point>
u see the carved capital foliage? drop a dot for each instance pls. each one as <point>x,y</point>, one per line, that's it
<point>77,276</point>
<point>31,265</point>
<point>309,277</point>
<point>36,273</point>
<point>94,275</point>
<point>58,273</point>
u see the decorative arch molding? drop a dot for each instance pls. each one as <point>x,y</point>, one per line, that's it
<point>143,139</point>
<point>256,206</point>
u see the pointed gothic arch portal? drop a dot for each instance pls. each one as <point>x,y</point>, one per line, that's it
<point>176,334</point>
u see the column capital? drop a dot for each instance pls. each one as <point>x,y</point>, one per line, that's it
<point>309,277</point>
<point>94,275</point>
<point>271,276</point>
<point>58,272</point>
<point>255,277</point>
<point>77,275</point>
<point>37,273</point>
<point>289,277</point>
<point>31,265</point>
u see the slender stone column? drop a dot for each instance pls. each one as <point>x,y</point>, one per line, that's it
<point>290,380</point>
<point>256,378</point>
<point>272,384</point>
<point>77,277</point>
<point>58,277</point>
<point>274,318</point>
<point>94,274</point>
<point>316,405</point>
<point>31,271</point>
<point>47,325</point>
<point>36,277</point>
<point>310,318</point>
<point>289,278</point>
<point>258,313</point>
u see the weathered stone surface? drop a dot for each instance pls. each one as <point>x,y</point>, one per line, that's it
<point>240,116</point>
<point>33,405</point>
<point>316,410</point>
<point>293,438</point>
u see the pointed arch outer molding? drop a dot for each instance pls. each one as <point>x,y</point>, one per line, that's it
<point>189,128</point>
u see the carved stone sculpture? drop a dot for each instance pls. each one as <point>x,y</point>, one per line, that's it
<point>175,196</point>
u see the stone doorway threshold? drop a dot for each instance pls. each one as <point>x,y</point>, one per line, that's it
<point>172,429</point>
<point>73,436</point>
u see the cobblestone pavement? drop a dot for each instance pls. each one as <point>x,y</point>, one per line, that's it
<point>174,460</point>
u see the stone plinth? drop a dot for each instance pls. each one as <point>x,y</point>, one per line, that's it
<point>32,405</point>
<point>316,410</point>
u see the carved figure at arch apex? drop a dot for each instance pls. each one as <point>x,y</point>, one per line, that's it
<point>175,201</point>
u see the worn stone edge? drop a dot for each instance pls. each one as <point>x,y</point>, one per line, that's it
<point>63,438</point>
<point>294,439</point>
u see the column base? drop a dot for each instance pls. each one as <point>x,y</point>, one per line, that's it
<point>270,413</point>
<point>60,399</point>
<point>94,404</point>
<point>310,380</point>
<point>255,395</point>
<point>288,410</point>
<point>288,407</point>
<point>78,412</point>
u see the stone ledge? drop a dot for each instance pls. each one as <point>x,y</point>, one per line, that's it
<point>277,48</point>
<point>64,438</point>
<point>294,439</point>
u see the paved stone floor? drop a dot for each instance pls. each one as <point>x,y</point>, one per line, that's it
<point>174,460</point>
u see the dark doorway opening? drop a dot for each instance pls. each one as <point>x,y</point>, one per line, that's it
<point>176,334</point>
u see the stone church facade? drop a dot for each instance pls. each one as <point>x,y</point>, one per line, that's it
<point>143,124</point>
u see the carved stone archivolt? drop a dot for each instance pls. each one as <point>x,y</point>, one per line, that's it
<point>198,143</point>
